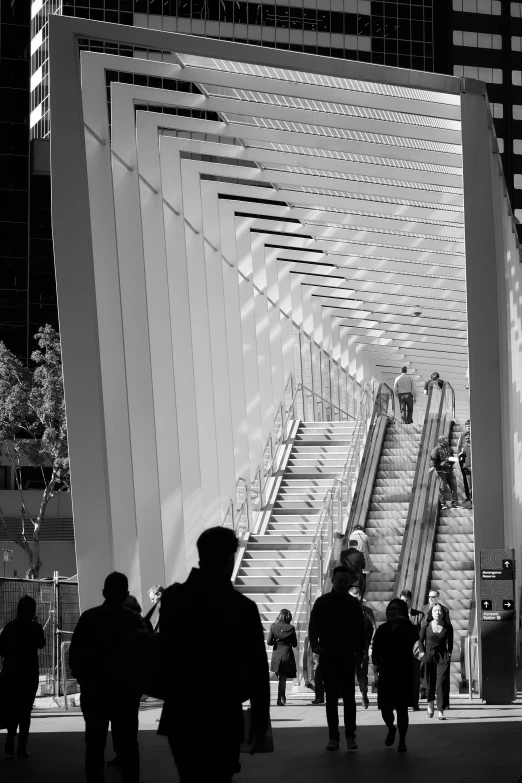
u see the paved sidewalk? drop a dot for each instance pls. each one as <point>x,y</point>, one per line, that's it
<point>475,744</point>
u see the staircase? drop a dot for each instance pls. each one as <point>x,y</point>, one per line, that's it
<point>452,569</point>
<point>275,558</point>
<point>386,519</point>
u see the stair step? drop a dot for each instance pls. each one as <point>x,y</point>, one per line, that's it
<point>464,567</point>
<point>269,571</point>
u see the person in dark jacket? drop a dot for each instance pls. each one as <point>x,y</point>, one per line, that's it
<point>20,641</point>
<point>205,732</point>
<point>282,638</point>
<point>464,455</point>
<point>354,561</point>
<point>338,635</point>
<point>435,380</point>
<point>416,618</point>
<point>434,600</point>
<point>96,647</point>
<point>436,642</point>
<point>392,655</point>
<point>361,667</point>
<point>442,460</point>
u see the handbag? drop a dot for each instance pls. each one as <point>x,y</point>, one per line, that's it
<point>266,745</point>
<point>417,652</point>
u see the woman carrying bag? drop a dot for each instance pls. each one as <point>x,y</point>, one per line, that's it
<point>282,638</point>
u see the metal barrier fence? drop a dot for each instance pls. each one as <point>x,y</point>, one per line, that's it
<point>57,610</point>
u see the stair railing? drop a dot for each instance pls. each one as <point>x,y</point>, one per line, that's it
<point>333,517</point>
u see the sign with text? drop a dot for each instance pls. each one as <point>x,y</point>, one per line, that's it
<point>8,555</point>
<point>497,625</point>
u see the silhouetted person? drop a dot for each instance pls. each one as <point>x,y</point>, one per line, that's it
<point>214,631</point>
<point>392,655</point>
<point>282,638</point>
<point>19,644</point>
<point>338,636</point>
<point>355,563</point>
<point>96,647</point>
<point>361,666</point>
<point>436,642</point>
<point>416,618</point>
<point>464,456</point>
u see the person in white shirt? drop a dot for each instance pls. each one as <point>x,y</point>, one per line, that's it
<point>405,391</point>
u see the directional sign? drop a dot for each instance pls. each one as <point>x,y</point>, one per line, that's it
<point>500,615</point>
<point>507,604</point>
<point>507,564</point>
<point>8,555</point>
<point>487,604</point>
<point>498,574</point>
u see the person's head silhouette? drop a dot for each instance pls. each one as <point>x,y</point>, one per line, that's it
<point>116,588</point>
<point>217,547</point>
<point>26,609</point>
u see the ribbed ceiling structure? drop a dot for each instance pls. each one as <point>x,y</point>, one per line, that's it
<point>245,223</point>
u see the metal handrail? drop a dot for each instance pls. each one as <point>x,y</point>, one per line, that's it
<point>328,402</point>
<point>333,516</point>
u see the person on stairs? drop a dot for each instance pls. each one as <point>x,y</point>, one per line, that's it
<point>405,392</point>
<point>20,641</point>
<point>442,460</point>
<point>355,563</point>
<point>361,667</point>
<point>338,636</point>
<point>436,642</point>
<point>392,655</point>
<point>282,639</point>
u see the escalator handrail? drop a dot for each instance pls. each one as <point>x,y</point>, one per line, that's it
<point>420,525</point>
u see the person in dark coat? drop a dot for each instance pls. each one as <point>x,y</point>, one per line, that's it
<point>95,650</point>
<point>205,729</point>
<point>361,667</point>
<point>436,642</point>
<point>416,618</point>
<point>442,460</point>
<point>20,641</point>
<point>338,636</point>
<point>434,599</point>
<point>282,638</point>
<point>354,561</point>
<point>392,655</point>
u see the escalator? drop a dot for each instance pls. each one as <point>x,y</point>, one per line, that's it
<point>388,511</point>
<point>452,566</point>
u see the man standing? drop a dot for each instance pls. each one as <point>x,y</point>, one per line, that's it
<point>208,628</point>
<point>96,648</point>
<point>442,460</point>
<point>416,618</point>
<point>405,391</point>
<point>355,563</point>
<point>435,380</point>
<point>155,595</point>
<point>464,455</point>
<point>338,635</point>
<point>361,667</point>
<point>434,598</point>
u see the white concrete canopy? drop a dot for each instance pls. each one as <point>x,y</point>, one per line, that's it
<point>226,216</point>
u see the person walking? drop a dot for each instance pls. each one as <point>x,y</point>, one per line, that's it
<point>338,636</point>
<point>434,600</point>
<point>95,651</point>
<point>20,641</point>
<point>442,460</point>
<point>282,638</point>
<point>405,392</point>
<point>205,733</point>
<point>361,538</point>
<point>355,563</point>
<point>361,666</point>
<point>392,655</point>
<point>436,643</point>
<point>435,380</point>
<point>416,618</point>
<point>318,682</point>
